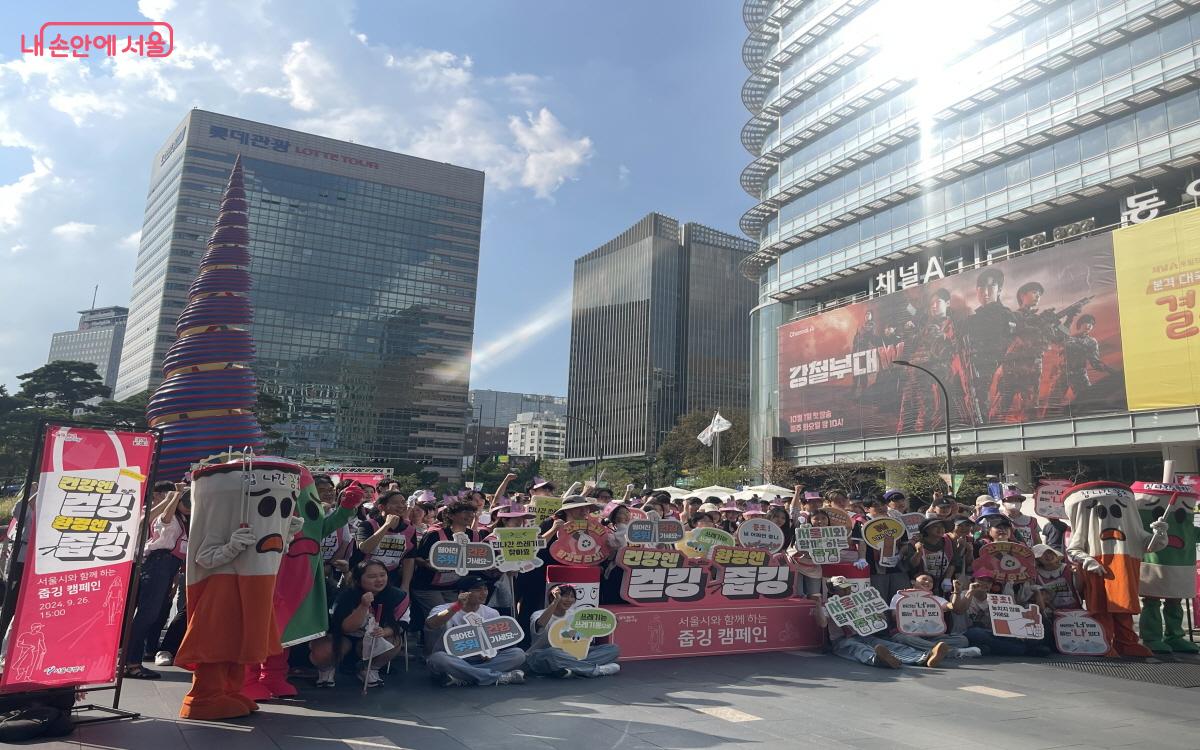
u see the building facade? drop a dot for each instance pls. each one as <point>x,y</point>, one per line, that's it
<point>538,435</point>
<point>657,330</point>
<point>893,151</point>
<point>500,408</point>
<point>97,340</point>
<point>484,442</point>
<point>365,266</point>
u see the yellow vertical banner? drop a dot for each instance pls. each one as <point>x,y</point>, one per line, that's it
<point>1158,287</point>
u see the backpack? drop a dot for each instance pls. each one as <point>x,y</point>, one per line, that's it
<point>35,721</point>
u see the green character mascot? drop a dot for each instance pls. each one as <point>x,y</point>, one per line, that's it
<point>1168,575</point>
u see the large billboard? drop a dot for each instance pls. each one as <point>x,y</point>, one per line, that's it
<point>1031,338</point>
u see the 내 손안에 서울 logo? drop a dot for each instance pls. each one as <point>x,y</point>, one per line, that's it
<point>83,39</point>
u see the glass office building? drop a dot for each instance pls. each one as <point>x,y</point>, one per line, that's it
<point>658,329</point>
<point>365,266</point>
<point>953,137</point>
<point>97,340</point>
<point>500,408</point>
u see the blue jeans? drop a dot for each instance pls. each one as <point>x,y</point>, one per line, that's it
<point>861,648</point>
<point>475,669</point>
<point>154,586</point>
<point>550,660</point>
<point>955,642</point>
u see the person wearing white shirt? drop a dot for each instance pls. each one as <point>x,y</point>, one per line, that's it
<point>455,671</point>
<point>601,659</point>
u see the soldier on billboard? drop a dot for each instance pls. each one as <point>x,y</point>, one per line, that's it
<point>1080,352</point>
<point>935,346</point>
<point>865,339</point>
<point>1018,385</point>
<point>887,382</point>
<point>989,329</point>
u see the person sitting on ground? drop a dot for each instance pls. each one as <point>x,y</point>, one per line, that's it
<point>979,619</point>
<point>455,671</point>
<point>542,658</point>
<point>959,646</point>
<point>1057,579</point>
<point>869,649</point>
<point>368,617</point>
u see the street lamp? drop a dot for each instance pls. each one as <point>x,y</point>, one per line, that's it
<point>946,401</point>
<point>595,445</point>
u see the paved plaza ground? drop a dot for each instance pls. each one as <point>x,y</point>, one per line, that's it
<point>782,700</point>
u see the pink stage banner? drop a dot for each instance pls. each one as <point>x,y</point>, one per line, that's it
<point>83,533</point>
<point>674,629</point>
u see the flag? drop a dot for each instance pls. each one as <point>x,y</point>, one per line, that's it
<point>718,424</point>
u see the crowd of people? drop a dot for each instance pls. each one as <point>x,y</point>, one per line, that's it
<point>387,601</point>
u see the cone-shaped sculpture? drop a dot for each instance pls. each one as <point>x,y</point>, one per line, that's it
<point>206,401</point>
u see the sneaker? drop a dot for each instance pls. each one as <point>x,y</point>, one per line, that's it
<point>936,654</point>
<point>452,681</point>
<point>972,652</point>
<point>605,670</point>
<point>371,677</point>
<point>562,674</point>
<point>325,677</point>
<point>515,677</point>
<point>885,658</point>
<point>164,659</point>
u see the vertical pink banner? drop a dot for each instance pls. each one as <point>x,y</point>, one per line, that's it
<point>82,537</point>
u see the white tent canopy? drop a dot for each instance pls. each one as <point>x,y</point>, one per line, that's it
<point>714,491</point>
<point>764,490</point>
<point>674,491</point>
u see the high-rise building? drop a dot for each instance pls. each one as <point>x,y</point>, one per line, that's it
<point>500,408</point>
<point>658,329</point>
<point>364,264</point>
<point>97,340</point>
<point>538,435</point>
<point>946,187</point>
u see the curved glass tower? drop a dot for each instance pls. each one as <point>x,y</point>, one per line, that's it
<point>949,135</point>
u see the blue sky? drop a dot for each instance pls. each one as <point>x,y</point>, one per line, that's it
<point>585,115</point>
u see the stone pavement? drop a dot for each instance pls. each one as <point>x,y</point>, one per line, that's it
<point>781,700</point>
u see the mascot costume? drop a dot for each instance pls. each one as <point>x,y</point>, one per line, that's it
<point>242,509</point>
<point>1169,575</point>
<point>300,605</point>
<point>1108,542</point>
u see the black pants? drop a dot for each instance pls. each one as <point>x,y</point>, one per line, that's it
<point>154,586</point>
<point>178,626</point>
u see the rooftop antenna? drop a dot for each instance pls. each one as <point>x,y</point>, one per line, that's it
<point>95,291</point>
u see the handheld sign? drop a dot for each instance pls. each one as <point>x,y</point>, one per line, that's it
<point>700,542</point>
<point>824,544</point>
<point>839,517</point>
<point>574,633</point>
<point>1077,633</point>
<point>919,613</point>
<point>862,610</point>
<point>1048,498</point>
<point>482,638</point>
<point>583,542</point>
<point>516,548</point>
<point>1006,562</point>
<point>655,530</point>
<point>543,507</point>
<point>884,535</point>
<point>760,534</point>
<point>461,555</point>
<point>1011,620</point>
<point>912,524</point>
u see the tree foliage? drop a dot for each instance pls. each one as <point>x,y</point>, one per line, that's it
<point>62,385</point>
<point>681,453</point>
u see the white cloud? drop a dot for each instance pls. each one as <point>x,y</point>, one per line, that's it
<point>551,156</point>
<point>623,175</point>
<point>13,197</point>
<point>17,248</point>
<point>132,240</point>
<point>73,230</point>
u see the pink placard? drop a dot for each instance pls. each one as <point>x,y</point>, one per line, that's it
<point>83,533</point>
<point>673,630</point>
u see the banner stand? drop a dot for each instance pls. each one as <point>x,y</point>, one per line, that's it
<point>116,713</point>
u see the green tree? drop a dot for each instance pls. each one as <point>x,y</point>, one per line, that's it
<point>857,479</point>
<point>18,420</point>
<point>130,413</point>
<point>63,385</point>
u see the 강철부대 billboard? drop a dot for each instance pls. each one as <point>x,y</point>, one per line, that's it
<point>1032,338</point>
